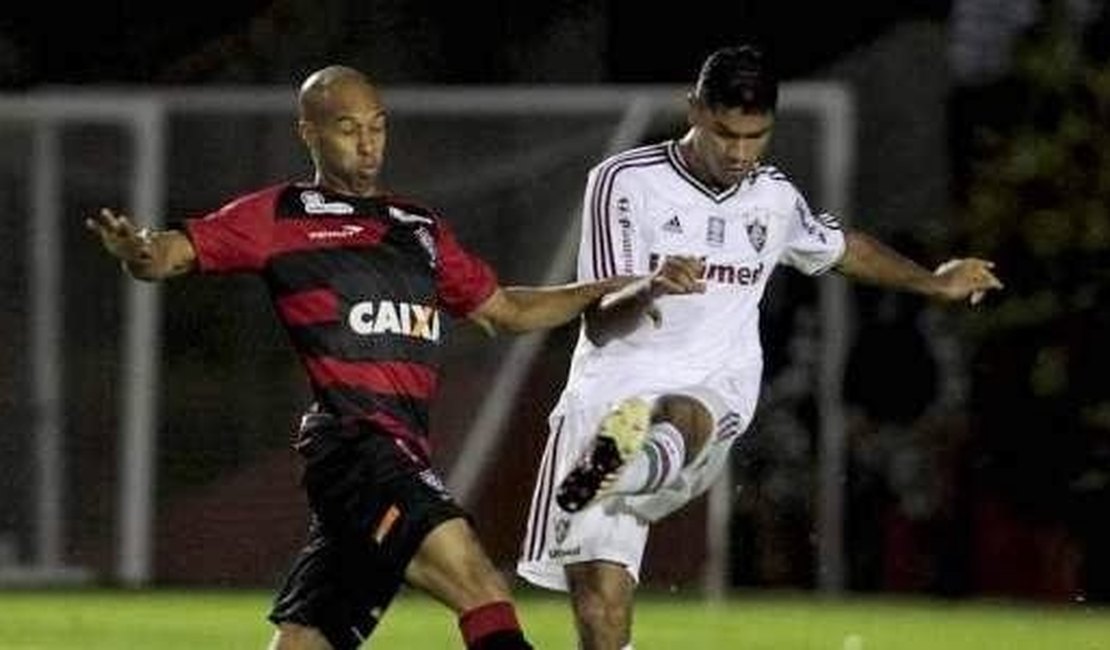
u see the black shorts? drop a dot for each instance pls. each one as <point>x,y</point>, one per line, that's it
<point>372,506</point>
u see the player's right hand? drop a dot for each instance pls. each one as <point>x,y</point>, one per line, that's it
<point>120,237</point>
<point>966,279</point>
<point>679,274</point>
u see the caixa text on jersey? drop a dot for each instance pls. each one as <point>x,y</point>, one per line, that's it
<point>389,317</point>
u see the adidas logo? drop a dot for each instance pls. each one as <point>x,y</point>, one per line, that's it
<point>673,225</point>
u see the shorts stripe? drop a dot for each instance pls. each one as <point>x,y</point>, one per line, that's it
<point>651,449</point>
<point>729,426</point>
<point>541,500</point>
<point>385,524</point>
<point>665,461</point>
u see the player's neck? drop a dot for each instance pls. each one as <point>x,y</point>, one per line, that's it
<point>693,162</point>
<point>363,190</point>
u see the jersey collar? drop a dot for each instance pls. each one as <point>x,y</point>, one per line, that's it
<point>674,156</point>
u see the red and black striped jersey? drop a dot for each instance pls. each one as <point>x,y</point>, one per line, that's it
<point>360,285</point>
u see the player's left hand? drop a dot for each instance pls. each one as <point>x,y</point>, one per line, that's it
<point>966,279</point>
<point>678,274</point>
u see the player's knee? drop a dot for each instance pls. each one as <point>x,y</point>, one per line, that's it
<point>489,584</point>
<point>692,419</point>
<point>600,612</point>
<point>475,583</point>
<point>476,579</point>
<point>452,566</point>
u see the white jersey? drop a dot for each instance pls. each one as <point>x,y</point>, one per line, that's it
<point>644,204</point>
<point>641,206</point>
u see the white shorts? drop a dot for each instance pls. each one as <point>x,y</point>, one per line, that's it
<point>615,529</point>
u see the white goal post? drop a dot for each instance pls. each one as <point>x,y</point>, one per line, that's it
<point>143,115</point>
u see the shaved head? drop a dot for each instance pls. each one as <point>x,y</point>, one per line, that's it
<point>342,122</point>
<point>318,90</point>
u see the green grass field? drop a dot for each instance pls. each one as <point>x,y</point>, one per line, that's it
<point>214,620</point>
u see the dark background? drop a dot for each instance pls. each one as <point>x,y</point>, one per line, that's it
<point>980,470</point>
<point>474,42</point>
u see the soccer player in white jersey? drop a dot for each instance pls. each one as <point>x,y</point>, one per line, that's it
<point>650,410</point>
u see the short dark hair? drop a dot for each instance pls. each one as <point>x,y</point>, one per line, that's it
<point>740,76</point>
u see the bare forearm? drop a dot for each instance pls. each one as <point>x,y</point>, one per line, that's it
<point>605,322</point>
<point>546,307</point>
<point>523,309</point>
<point>623,311</point>
<point>868,260</point>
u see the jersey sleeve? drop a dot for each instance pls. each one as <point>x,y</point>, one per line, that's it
<point>611,226</point>
<point>236,237</point>
<point>463,280</point>
<point>815,243</point>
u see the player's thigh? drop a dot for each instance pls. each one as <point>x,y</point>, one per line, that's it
<point>373,509</point>
<point>721,404</point>
<point>452,567</point>
<point>690,415</point>
<point>554,538</point>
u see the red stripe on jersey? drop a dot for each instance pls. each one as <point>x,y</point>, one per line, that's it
<point>387,378</point>
<point>403,437</point>
<point>309,307</point>
<point>464,281</point>
<point>236,237</point>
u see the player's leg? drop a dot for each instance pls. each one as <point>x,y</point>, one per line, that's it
<point>595,553</point>
<point>451,566</point>
<point>351,566</point>
<point>334,595</point>
<point>380,518</point>
<point>601,594</point>
<point>619,436</point>
<point>638,448</point>
<point>680,427</point>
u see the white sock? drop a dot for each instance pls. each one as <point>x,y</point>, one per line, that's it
<point>656,464</point>
<point>628,647</point>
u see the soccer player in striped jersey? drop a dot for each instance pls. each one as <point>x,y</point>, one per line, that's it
<point>361,278</point>
<point>648,414</point>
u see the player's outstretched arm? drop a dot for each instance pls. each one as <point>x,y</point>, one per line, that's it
<point>145,254</point>
<point>524,309</point>
<point>866,259</point>
<point>621,312</point>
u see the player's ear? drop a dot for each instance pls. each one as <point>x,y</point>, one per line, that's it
<point>693,108</point>
<point>692,104</point>
<point>306,131</point>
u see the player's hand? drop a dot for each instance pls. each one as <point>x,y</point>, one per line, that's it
<point>678,274</point>
<point>966,279</point>
<point>120,237</point>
